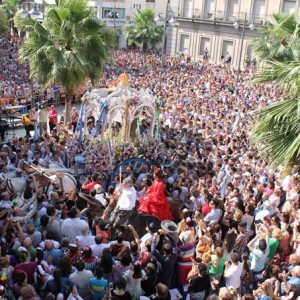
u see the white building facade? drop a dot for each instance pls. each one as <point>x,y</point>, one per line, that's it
<point>209,24</point>
<point>201,23</point>
<point>117,13</point>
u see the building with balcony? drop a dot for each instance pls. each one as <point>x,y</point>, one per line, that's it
<point>117,13</point>
<point>209,24</point>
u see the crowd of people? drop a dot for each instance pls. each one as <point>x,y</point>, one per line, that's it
<point>236,233</point>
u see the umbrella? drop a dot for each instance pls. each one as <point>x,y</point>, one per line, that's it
<point>261,215</point>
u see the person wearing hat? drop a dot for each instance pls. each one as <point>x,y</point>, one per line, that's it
<point>169,257</point>
<point>242,238</point>
<point>100,194</point>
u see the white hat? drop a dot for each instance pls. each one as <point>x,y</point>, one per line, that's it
<point>185,236</point>
<point>98,188</point>
<point>247,174</point>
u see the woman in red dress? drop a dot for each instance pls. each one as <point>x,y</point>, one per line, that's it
<point>154,202</point>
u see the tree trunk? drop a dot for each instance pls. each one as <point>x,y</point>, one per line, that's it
<point>145,48</point>
<point>68,104</point>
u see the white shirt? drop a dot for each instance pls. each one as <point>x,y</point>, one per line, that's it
<point>85,240</point>
<point>127,199</point>
<point>5,204</point>
<point>213,216</point>
<point>81,278</point>
<point>100,198</point>
<point>233,275</point>
<point>72,228</point>
<point>97,249</point>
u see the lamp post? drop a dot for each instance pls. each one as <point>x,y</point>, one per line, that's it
<point>113,15</point>
<point>237,25</point>
<point>167,21</point>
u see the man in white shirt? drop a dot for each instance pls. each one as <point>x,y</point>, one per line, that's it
<point>233,271</point>
<point>99,246</point>
<point>81,278</point>
<point>86,238</point>
<point>125,204</point>
<point>72,226</point>
<point>215,214</point>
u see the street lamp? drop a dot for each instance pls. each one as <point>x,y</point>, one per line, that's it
<point>238,25</point>
<point>171,21</point>
<point>33,13</point>
<point>114,15</point>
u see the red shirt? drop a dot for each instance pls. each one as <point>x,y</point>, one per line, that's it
<point>53,116</point>
<point>90,186</point>
<point>205,209</point>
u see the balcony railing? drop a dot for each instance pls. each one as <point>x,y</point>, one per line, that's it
<point>222,16</point>
<point>116,22</point>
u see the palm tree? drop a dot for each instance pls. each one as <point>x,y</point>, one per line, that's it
<point>10,7</point>
<point>279,40</point>
<point>4,28</point>
<point>277,129</point>
<point>68,48</point>
<point>277,133</point>
<point>144,30</point>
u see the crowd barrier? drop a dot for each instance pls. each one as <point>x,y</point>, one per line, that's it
<point>57,99</point>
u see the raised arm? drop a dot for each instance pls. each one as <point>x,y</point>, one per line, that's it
<point>136,236</point>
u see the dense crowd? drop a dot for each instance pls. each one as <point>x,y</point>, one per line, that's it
<point>235,232</point>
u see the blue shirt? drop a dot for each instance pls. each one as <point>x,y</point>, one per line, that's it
<point>291,281</point>
<point>56,255</point>
<point>98,287</point>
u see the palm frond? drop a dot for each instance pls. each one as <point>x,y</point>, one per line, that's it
<point>144,30</point>
<point>277,132</point>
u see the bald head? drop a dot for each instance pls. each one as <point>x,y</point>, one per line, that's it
<point>127,182</point>
<point>5,196</point>
<point>49,245</point>
<point>85,230</point>
<point>27,242</point>
<point>98,239</point>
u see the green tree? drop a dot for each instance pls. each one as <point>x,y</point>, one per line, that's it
<point>10,7</point>
<point>68,48</point>
<point>277,128</point>
<point>144,31</point>
<point>4,27</point>
<point>279,40</point>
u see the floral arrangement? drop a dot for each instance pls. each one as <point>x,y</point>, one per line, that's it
<point>96,153</point>
<point>124,151</point>
<point>98,158</point>
<point>134,100</point>
<point>74,148</point>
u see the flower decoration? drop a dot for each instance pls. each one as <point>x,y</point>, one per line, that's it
<point>134,100</point>
<point>98,159</point>
<point>96,153</point>
<point>124,151</point>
